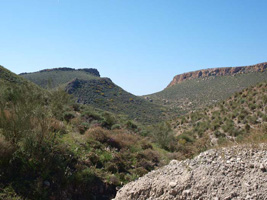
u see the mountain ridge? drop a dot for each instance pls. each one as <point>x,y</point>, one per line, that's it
<point>217,72</point>
<point>98,91</point>
<point>92,71</point>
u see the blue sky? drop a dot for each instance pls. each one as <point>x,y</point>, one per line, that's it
<point>139,44</point>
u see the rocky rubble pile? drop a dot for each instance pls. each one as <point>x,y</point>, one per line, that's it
<point>229,173</point>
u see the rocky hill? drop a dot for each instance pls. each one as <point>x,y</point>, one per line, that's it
<point>92,71</point>
<point>88,87</point>
<point>238,172</point>
<point>104,94</point>
<point>51,78</point>
<point>225,71</point>
<point>195,93</point>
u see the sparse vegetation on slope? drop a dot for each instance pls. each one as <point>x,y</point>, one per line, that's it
<point>7,76</point>
<point>55,148</point>
<point>104,94</point>
<point>51,78</point>
<point>197,93</point>
<point>232,120</point>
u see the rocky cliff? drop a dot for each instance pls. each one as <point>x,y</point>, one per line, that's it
<point>218,72</point>
<point>230,173</point>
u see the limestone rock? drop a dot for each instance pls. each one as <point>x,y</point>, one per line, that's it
<point>217,72</point>
<point>214,174</point>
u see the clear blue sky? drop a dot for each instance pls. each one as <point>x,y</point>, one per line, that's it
<point>139,44</point>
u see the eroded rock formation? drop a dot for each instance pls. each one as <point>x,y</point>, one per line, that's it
<point>218,72</point>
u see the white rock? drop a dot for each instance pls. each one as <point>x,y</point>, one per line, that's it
<point>172,184</point>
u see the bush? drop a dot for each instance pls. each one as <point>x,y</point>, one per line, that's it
<point>163,135</point>
<point>108,120</point>
<point>149,154</point>
<point>185,137</point>
<point>218,134</point>
<point>111,167</point>
<point>116,126</point>
<point>6,151</point>
<point>99,134</point>
<point>68,116</point>
<point>131,125</point>
<point>89,116</point>
<point>83,127</point>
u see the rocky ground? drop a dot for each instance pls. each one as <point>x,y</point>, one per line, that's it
<point>229,173</point>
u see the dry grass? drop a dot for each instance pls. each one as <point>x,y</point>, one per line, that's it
<point>119,139</point>
<point>255,139</point>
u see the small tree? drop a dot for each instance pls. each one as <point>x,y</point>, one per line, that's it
<point>163,135</point>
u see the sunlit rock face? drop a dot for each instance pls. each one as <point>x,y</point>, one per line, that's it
<point>218,72</point>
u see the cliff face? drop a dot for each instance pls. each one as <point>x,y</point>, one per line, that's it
<point>218,72</point>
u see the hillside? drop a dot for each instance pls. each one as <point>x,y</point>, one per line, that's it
<point>51,78</point>
<point>198,92</point>
<point>9,77</point>
<point>54,148</point>
<point>89,88</point>
<point>238,172</point>
<point>231,120</point>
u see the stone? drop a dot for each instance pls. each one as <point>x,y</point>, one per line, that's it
<point>172,184</point>
<point>262,167</point>
<point>217,180</point>
<point>47,183</point>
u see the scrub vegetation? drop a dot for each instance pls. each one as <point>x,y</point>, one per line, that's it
<point>66,145</point>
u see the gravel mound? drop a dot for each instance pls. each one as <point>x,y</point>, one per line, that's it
<point>229,173</point>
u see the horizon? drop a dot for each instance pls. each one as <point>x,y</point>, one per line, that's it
<point>139,45</point>
<point>125,89</point>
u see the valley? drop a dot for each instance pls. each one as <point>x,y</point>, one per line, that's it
<point>69,133</point>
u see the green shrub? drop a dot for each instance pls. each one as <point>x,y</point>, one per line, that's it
<point>131,125</point>
<point>91,115</point>
<point>116,126</point>
<point>185,137</point>
<point>163,135</point>
<point>83,127</point>
<point>68,116</point>
<point>108,120</point>
<point>218,134</point>
<point>112,167</point>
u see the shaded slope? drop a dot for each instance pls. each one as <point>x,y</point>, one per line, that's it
<point>199,92</point>
<point>101,93</point>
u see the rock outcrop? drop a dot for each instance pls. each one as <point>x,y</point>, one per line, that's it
<point>218,72</point>
<point>92,71</point>
<point>229,173</point>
